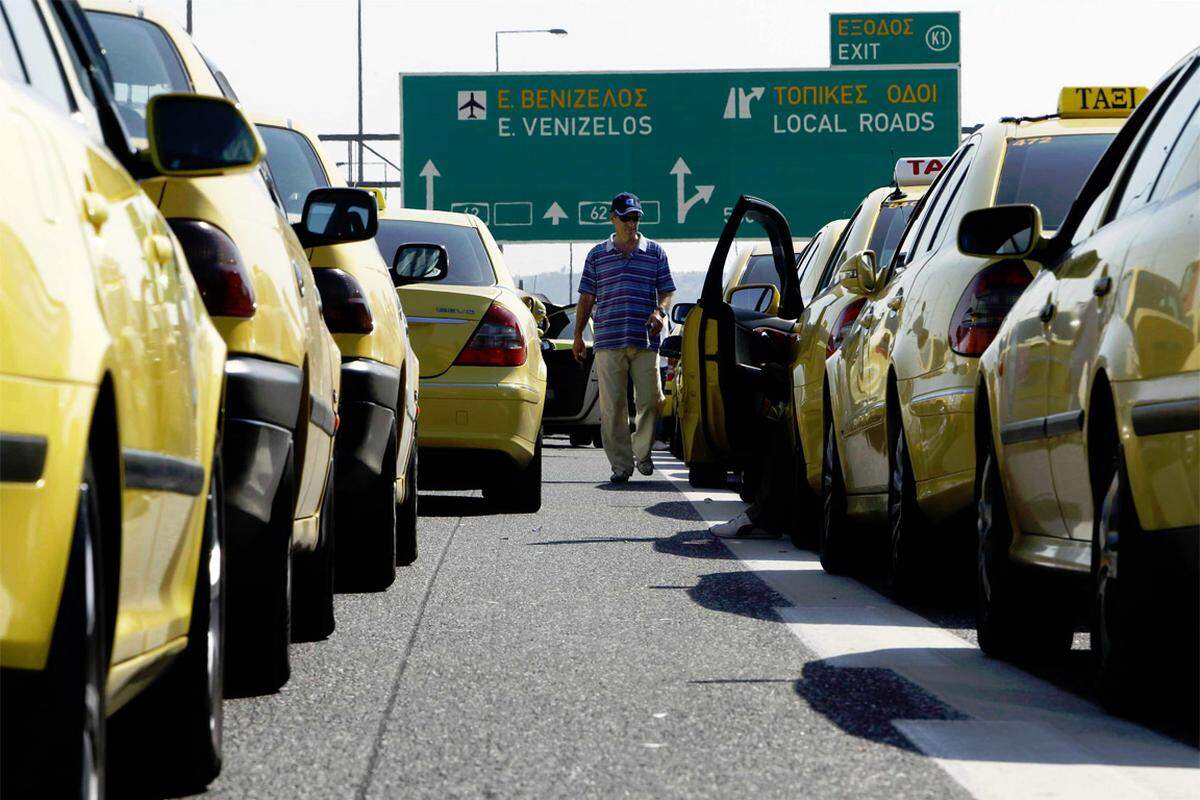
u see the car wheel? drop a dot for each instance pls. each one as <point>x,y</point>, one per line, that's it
<point>406,512</point>
<point>519,492</point>
<point>597,439</point>
<point>313,614</point>
<point>905,559</point>
<point>706,476</point>
<point>580,438</point>
<point>835,556</point>
<point>174,730</point>
<point>1018,615</point>
<point>260,628</point>
<point>368,527</point>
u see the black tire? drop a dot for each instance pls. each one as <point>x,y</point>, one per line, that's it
<point>520,491</point>
<point>706,476</point>
<point>407,512</point>
<point>597,439</point>
<point>367,529</point>
<point>313,615</point>
<point>53,731</point>
<point>1018,613</point>
<point>173,732</point>
<point>748,485</point>
<point>580,438</point>
<point>259,630</point>
<point>835,549</point>
<point>905,561</point>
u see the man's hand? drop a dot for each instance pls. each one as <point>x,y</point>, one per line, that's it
<point>579,349</point>
<point>655,322</point>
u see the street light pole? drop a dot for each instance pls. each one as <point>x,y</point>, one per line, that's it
<point>555,31</point>
<point>360,95</point>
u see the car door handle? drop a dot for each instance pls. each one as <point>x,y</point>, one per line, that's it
<point>1047,312</point>
<point>95,208</point>
<point>1102,286</point>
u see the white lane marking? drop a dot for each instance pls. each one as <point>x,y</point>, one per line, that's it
<point>1026,738</point>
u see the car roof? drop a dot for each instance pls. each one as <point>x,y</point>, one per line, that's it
<point>425,215</point>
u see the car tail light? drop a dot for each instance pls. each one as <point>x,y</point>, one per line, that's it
<point>984,305</point>
<point>343,304</point>
<point>837,334</point>
<point>497,342</point>
<point>216,264</point>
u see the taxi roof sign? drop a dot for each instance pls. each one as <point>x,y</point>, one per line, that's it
<point>917,170</point>
<point>1076,102</point>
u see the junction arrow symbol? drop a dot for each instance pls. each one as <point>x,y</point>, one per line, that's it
<point>555,213</point>
<point>429,172</point>
<point>680,171</point>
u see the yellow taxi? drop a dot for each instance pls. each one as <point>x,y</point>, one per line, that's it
<point>755,267</point>
<point>902,385</point>
<point>1087,410</point>
<point>831,309</point>
<point>111,587</point>
<point>283,366</point>
<point>375,456</point>
<point>482,376</point>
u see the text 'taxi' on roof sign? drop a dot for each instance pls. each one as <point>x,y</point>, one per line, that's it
<point>891,38</point>
<point>538,157</point>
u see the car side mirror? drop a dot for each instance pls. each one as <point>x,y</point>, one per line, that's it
<point>857,274</point>
<point>192,135</point>
<point>671,347</point>
<point>679,312</point>
<point>760,297</point>
<point>417,263</point>
<point>337,215</point>
<point>1012,231</point>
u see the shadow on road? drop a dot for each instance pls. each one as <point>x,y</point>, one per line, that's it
<point>453,505</point>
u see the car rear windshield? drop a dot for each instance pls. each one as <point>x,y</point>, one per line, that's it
<point>889,226</point>
<point>468,262</point>
<point>1047,171</point>
<point>294,166</point>
<point>143,62</point>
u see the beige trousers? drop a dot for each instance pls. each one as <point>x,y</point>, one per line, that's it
<point>614,368</point>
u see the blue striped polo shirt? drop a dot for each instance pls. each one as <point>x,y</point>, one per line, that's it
<point>626,288</point>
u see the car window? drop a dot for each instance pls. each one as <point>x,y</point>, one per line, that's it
<point>467,259</point>
<point>143,63</point>
<point>1048,172</point>
<point>1156,145</point>
<point>834,260</point>
<point>888,227</point>
<point>760,269</point>
<point>947,191</point>
<point>1181,150</point>
<point>42,71</point>
<point>295,168</point>
<point>906,250</point>
<point>10,61</point>
<point>807,267</point>
<point>949,211</point>
<point>81,73</point>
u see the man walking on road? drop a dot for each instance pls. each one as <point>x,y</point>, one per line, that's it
<point>627,282</point>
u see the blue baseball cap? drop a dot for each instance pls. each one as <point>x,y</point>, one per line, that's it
<point>625,203</point>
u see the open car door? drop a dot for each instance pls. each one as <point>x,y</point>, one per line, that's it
<point>735,352</point>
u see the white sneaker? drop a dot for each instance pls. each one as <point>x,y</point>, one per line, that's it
<point>740,527</point>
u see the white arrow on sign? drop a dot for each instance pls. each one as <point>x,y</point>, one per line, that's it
<point>705,193</point>
<point>429,172</point>
<point>555,213</point>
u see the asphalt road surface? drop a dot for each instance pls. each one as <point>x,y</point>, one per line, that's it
<point>609,647</point>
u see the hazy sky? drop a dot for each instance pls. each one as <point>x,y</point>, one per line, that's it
<point>297,58</point>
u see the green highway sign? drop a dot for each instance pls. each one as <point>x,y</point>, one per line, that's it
<point>538,157</point>
<point>877,38</point>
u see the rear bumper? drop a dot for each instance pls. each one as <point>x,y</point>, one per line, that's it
<point>262,401</point>
<point>497,417</point>
<point>370,392</point>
